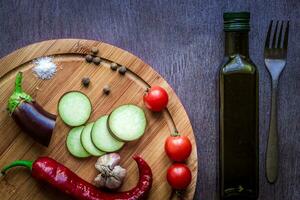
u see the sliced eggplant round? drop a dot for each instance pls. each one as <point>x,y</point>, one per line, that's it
<point>86,141</point>
<point>102,138</point>
<point>74,108</point>
<point>74,145</point>
<point>127,122</point>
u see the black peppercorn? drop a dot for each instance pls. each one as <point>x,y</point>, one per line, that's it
<point>106,89</point>
<point>85,81</point>
<point>97,60</point>
<point>89,58</point>
<point>94,50</point>
<point>114,66</point>
<point>122,70</point>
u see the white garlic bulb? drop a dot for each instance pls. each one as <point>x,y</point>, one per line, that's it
<point>111,175</point>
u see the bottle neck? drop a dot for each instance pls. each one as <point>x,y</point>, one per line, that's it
<point>236,43</point>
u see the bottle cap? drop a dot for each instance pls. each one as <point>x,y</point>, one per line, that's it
<point>236,21</point>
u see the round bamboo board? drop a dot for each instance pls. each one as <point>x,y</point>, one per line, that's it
<point>69,54</point>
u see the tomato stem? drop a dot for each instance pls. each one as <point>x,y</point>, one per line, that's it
<point>177,193</point>
<point>175,133</point>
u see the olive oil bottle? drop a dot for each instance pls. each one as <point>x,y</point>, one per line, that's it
<point>239,145</point>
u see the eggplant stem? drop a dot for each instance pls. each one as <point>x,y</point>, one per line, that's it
<point>18,83</point>
<point>17,163</point>
<point>18,95</point>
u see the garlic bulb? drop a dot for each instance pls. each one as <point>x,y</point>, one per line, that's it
<point>111,175</point>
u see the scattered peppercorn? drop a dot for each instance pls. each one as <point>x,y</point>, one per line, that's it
<point>114,66</point>
<point>94,50</point>
<point>106,89</point>
<point>97,60</point>
<point>122,70</point>
<point>85,81</point>
<point>89,58</point>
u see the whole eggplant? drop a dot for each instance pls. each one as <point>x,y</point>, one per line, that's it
<point>29,115</point>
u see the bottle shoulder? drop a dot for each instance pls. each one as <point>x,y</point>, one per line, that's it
<point>238,64</point>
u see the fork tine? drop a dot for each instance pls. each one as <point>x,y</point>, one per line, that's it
<point>275,34</point>
<point>280,36</point>
<point>267,43</point>
<point>286,36</point>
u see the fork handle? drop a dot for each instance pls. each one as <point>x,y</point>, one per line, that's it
<point>272,148</point>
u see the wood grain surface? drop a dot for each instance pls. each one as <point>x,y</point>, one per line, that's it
<point>68,54</point>
<point>184,42</point>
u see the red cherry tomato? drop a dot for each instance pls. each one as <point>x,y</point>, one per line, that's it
<point>178,148</point>
<point>179,176</point>
<point>156,98</point>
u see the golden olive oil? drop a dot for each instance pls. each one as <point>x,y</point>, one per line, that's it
<point>239,145</point>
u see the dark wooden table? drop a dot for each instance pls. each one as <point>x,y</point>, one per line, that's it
<point>184,42</point>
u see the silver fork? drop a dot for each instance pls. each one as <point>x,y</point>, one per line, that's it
<point>275,60</point>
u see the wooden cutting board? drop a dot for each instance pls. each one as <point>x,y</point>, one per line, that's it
<point>69,54</point>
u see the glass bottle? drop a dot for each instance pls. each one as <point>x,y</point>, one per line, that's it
<point>238,85</point>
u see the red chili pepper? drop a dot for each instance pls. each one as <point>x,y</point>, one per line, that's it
<point>48,170</point>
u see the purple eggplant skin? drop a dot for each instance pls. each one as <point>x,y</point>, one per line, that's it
<point>43,111</point>
<point>35,121</point>
<point>29,115</point>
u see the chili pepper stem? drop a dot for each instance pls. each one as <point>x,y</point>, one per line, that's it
<point>18,95</point>
<point>17,163</point>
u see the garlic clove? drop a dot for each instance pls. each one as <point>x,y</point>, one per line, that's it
<point>100,180</point>
<point>113,160</point>
<point>113,183</point>
<point>119,172</point>
<point>110,160</point>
